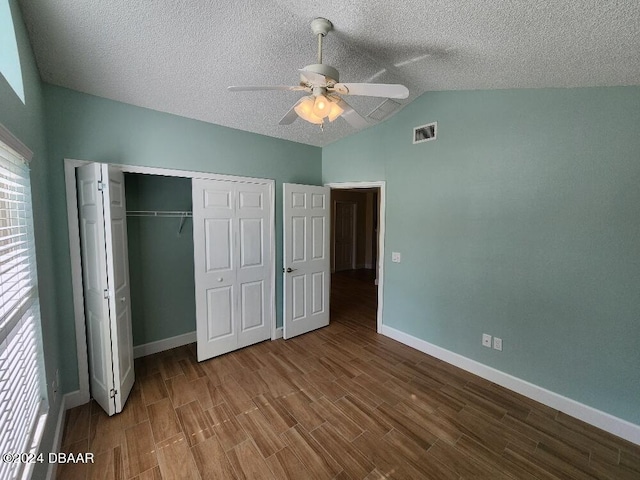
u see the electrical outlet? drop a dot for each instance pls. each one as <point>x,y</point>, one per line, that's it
<point>396,257</point>
<point>497,343</point>
<point>486,340</point>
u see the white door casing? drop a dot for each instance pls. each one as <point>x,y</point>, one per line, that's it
<point>105,272</point>
<point>306,260</point>
<point>231,259</point>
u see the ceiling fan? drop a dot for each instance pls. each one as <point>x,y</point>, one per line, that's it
<point>322,82</point>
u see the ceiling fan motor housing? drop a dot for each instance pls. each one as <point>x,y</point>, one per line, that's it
<point>321,26</point>
<point>329,72</point>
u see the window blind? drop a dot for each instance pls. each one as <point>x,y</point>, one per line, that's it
<point>23,401</point>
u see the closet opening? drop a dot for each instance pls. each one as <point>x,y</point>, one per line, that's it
<point>161,268</point>
<point>199,251</point>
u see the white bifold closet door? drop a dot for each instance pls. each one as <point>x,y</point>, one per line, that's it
<point>307,274</point>
<point>231,222</point>
<point>105,275</point>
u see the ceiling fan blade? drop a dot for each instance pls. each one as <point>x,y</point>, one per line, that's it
<point>352,117</point>
<point>291,115</point>
<point>314,78</point>
<point>386,90</point>
<point>255,88</point>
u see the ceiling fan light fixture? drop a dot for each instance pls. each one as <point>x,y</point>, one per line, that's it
<point>321,106</point>
<point>322,82</point>
<point>335,111</point>
<point>305,110</point>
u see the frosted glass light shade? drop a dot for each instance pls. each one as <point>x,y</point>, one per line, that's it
<point>321,106</point>
<point>304,109</point>
<point>335,111</point>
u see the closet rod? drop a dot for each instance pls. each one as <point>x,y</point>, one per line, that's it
<point>157,213</point>
<point>162,213</point>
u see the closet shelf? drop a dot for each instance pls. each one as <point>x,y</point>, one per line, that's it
<point>157,213</point>
<point>162,213</point>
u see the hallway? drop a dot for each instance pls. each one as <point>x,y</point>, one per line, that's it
<point>354,299</point>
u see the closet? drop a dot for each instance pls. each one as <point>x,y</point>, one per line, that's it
<point>164,255</point>
<point>160,240</point>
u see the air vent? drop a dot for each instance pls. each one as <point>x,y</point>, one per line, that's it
<point>424,133</point>
<point>383,110</point>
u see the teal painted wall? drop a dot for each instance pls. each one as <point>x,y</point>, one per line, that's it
<point>160,261</point>
<point>26,122</point>
<point>522,220</point>
<point>85,127</point>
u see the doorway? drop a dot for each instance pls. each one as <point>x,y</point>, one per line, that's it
<point>345,231</point>
<point>357,245</point>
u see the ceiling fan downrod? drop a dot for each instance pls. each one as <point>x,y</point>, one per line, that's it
<point>320,27</point>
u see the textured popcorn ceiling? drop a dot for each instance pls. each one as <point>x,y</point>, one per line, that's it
<point>178,56</point>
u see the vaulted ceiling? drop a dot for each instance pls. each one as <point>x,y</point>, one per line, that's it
<point>178,56</point>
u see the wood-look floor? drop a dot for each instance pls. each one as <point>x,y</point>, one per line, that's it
<point>341,402</point>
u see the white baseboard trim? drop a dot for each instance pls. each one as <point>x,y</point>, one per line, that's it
<point>278,333</point>
<point>162,345</point>
<point>75,399</point>
<point>617,426</point>
<point>57,436</point>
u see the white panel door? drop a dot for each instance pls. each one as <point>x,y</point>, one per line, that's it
<point>94,278</point>
<point>115,212</point>
<point>106,284</point>
<point>231,257</point>
<point>253,279</point>
<point>306,258</point>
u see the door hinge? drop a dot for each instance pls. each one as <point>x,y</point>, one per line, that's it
<point>106,294</point>
<point>101,186</point>
<point>112,393</point>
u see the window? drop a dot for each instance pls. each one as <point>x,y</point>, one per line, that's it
<point>10,67</point>
<point>23,399</point>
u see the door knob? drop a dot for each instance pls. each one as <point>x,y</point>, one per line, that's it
<point>219,279</point>
<point>289,270</point>
<point>123,299</point>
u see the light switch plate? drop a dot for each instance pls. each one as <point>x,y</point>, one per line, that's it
<point>396,257</point>
<point>486,340</point>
